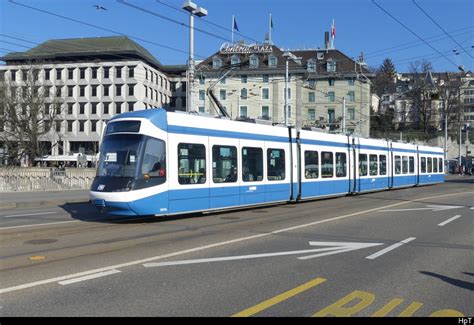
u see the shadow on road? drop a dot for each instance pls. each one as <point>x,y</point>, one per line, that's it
<point>455,282</point>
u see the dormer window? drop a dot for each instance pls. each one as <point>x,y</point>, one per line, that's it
<point>311,65</point>
<point>216,63</point>
<point>331,66</point>
<point>234,60</point>
<point>272,61</point>
<point>253,63</point>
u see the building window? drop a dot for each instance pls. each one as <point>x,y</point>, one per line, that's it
<point>191,163</point>
<point>82,73</point>
<point>311,114</point>
<point>243,78</point>
<point>201,109</point>
<point>118,72</point>
<point>272,61</point>
<point>331,82</point>
<point>94,73</point>
<point>234,60</point>
<point>70,91</point>
<point>82,108</point>
<point>70,73</point>
<point>82,91</point>
<point>265,93</point>
<point>253,63</point>
<point>202,94</point>
<point>311,97</point>
<point>106,108</point>
<point>243,111</point>
<point>216,63</point>
<point>131,90</point>
<point>130,106</point>
<point>265,78</point>
<point>350,82</point>
<point>58,74</point>
<point>106,72</point>
<point>82,126</point>
<point>351,96</point>
<point>311,66</point>
<point>331,96</point>
<point>243,93</point>
<point>93,108</point>
<point>94,91</point>
<point>131,72</point>
<point>118,108</point>
<point>106,90</point>
<point>265,112</point>
<point>118,90</point>
<point>70,108</point>
<point>351,113</point>
<point>222,94</point>
<point>47,74</point>
<point>331,66</point>
<point>94,126</point>
<point>202,80</point>
<point>70,124</point>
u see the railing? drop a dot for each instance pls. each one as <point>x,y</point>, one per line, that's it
<point>41,179</point>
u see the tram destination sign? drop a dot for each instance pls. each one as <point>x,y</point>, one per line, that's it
<point>229,48</point>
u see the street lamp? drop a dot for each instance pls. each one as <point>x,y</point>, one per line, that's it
<point>193,10</point>
<point>288,56</point>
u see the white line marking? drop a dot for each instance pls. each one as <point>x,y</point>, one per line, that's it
<point>196,249</point>
<point>389,248</point>
<point>30,214</point>
<point>88,277</point>
<point>428,207</point>
<point>449,220</point>
<point>39,224</point>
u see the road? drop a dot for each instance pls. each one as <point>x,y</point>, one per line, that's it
<point>405,252</point>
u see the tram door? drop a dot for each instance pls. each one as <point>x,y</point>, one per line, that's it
<point>225,171</point>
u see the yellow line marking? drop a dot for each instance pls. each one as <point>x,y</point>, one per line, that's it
<point>410,310</point>
<point>277,299</point>
<point>37,258</point>
<point>388,307</point>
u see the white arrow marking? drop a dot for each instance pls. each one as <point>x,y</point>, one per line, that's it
<point>337,247</point>
<point>428,207</point>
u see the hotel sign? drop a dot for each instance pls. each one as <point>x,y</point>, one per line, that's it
<point>228,48</point>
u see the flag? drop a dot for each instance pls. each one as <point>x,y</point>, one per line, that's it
<point>235,25</point>
<point>333,29</point>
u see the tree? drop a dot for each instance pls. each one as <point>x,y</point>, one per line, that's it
<point>384,77</point>
<point>29,110</point>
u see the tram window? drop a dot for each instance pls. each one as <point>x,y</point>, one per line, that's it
<point>327,164</point>
<point>311,164</point>
<point>373,165</point>
<point>154,160</point>
<point>435,165</point>
<point>192,163</point>
<point>411,164</point>
<point>252,164</point>
<point>362,165</point>
<point>440,165</point>
<point>341,165</point>
<point>224,164</point>
<point>423,164</point>
<point>398,165</point>
<point>430,165</point>
<point>405,165</point>
<point>383,164</point>
<point>275,164</point>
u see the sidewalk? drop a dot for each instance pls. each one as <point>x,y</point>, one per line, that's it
<point>13,200</point>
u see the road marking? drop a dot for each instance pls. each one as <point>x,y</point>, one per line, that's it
<point>449,220</point>
<point>39,224</point>
<point>336,248</point>
<point>411,309</point>
<point>30,214</point>
<point>279,298</point>
<point>88,277</point>
<point>201,248</point>
<point>346,307</point>
<point>428,207</point>
<point>390,248</point>
<point>387,308</point>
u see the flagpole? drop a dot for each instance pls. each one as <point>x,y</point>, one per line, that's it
<point>233,18</point>
<point>270,29</point>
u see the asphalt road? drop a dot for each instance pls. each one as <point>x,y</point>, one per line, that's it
<point>406,252</point>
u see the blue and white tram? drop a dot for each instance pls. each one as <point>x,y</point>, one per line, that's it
<point>154,162</point>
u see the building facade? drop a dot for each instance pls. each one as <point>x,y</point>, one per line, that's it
<point>94,78</point>
<point>249,82</point>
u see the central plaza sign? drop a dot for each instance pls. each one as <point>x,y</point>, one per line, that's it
<point>229,48</point>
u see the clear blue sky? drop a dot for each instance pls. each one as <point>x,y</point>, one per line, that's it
<point>360,26</point>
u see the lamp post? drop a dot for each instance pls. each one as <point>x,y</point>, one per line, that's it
<point>288,56</point>
<point>193,10</point>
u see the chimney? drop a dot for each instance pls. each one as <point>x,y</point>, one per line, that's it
<point>326,39</point>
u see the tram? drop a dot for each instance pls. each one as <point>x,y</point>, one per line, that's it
<point>154,162</point>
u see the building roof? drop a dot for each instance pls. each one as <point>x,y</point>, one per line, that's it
<point>118,47</point>
<point>344,64</point>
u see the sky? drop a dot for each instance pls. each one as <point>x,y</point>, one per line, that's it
<point>395,29</point>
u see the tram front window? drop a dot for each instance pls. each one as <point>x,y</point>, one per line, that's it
<point>130,162</point>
